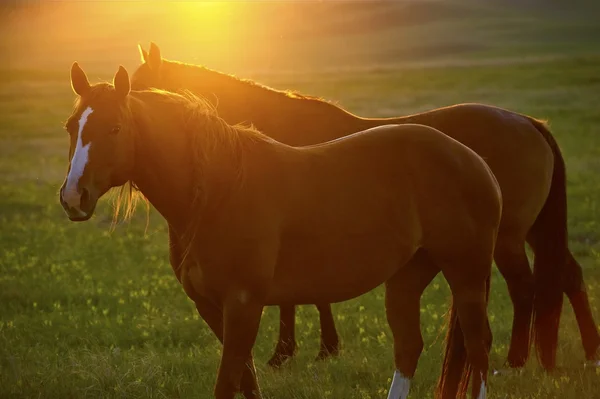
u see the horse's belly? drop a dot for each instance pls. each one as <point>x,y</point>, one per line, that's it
<point>326,270</point>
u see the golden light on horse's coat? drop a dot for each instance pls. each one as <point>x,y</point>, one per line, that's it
<point>520,150</point>
<point>265,223</point>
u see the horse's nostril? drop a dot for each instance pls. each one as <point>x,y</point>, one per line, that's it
<point>85,198</point>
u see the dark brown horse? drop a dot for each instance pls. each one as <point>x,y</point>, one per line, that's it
<point>264,223</point>
<point>520,151</point>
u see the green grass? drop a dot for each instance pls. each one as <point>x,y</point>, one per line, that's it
<point>86,312</point>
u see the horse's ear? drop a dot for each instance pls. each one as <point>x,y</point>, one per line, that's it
<point>79,81</point>
<point>154,59</point>
<point>143,53</point>
<point>121,82</point>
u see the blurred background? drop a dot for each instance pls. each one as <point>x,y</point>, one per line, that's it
<point>276,36</point>
<point>86,311</point>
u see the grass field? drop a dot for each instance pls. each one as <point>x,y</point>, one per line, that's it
<point>90,312</point>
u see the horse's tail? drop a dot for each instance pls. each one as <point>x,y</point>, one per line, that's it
<point>548,237</point>
<point>455,370</point>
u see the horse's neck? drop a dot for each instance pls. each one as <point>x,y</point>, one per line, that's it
<point>235,100</point>
<point>162,164</point>
<point>294,121</point>
<point>167,169</point>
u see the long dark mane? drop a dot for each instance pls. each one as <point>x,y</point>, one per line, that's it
<point>210,139</point>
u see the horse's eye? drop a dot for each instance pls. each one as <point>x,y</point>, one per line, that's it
<point>115,129</point>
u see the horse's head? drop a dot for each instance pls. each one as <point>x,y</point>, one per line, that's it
<point>102,143</point>
<point>148,75</point>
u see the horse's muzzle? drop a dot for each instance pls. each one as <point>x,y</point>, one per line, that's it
<point>79,206</point>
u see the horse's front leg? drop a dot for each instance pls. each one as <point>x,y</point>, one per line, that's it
<point>241,312</point>
<point>213,316</point>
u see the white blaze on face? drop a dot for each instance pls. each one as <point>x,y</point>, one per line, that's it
<point>400,386</point>
<point>78,162</point>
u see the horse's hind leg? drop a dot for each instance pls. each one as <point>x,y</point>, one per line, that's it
<point>469,283</point>
<point>402,303</point>
<point>286,345</point>
<point>512,262</point>
<point>577,294</point>
<point>330,342</point>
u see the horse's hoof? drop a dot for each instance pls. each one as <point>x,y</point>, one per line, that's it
<point>283,353</point>
<point>327,352</point>
<point>278,360</point>
<point>322,355</point>
<point>591,364</point>
<point>516,359</point>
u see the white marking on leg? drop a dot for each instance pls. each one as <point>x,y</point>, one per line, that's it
<point>80,158</point>
<point>481,389</point>
<point>400,386</point>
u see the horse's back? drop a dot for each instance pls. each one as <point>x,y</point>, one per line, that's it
<point>454,196</point>
<point>394,138</point>
<point>435,171</point>
<point>420,148</point>
<point>444,175</point>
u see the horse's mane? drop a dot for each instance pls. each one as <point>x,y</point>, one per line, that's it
<point>201,71</point>
<point>214,145</point>
<point>212,140</point>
